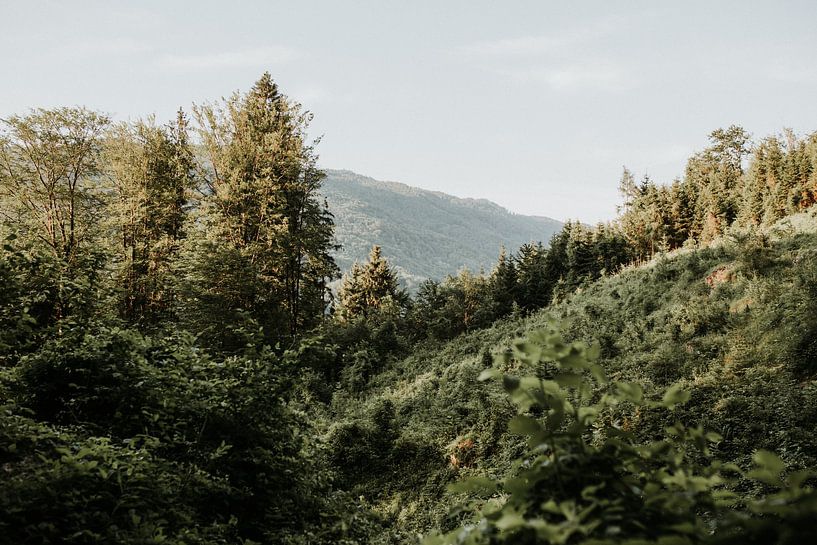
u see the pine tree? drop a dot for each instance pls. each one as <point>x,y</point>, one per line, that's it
<point>535,285</point>
<point>717,173</point>
<point>610,250</point>
<point>756,185</point>
<point>682,213</point>
<point>810,189</point>
<point>427,316</point>
<point>796,172</point>
<point>580,259</point>
<point>641,218</point>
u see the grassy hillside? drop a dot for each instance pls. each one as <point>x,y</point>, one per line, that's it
<point>424,234</point>
<point>735,323</point>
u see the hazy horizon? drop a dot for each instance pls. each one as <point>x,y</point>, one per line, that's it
<point>535,106</point>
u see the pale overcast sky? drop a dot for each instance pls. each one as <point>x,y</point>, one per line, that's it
<point>535,105</point>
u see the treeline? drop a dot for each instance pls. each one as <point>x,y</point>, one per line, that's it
<point>522,282</point>
<point>730,183</point>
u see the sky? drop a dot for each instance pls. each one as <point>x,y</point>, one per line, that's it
<point>534,105</point>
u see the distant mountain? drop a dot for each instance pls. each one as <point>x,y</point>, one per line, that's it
<point>424,234</point>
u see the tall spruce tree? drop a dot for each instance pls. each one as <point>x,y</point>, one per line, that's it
<point>610,250</point>
<point>503,284</point>
<point>682,213</point>
<point>759,184</point>
<point>535,284</point>
<point>810,189</point>
<point>640,219</point>
<point>717,172</point>
<point>263,214</point>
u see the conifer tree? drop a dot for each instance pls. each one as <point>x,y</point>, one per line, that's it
<point>579,263</point>
<point>717,172</point>
<point>503,284</point>
<point>682,213</point>
<point>810,189</point>
<point>610,250</point>
<point>640,217</point>
<point>427,316</point>
<point>796,172</point>
<point>369,287</point>
<point>760,182</point>
<point>263,214</point>
<point>535,284</point>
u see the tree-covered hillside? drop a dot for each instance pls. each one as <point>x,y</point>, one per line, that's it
<point>174,368</point>
<point>733,323</point>
<point>424,234</point>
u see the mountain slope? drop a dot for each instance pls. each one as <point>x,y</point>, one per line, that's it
<point>734,323</point>
<point>424,234</point>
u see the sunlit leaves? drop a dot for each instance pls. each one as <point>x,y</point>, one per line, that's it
<point>674,396</point>
<point>768,468</point>
<point>474,485</point>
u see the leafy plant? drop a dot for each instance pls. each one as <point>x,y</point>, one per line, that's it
<point>585,478</point>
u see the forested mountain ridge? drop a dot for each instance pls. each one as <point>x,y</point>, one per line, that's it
<point>424,234</point>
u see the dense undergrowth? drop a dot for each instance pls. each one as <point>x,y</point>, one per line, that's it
<point>357,434</point>
<point>733,323</point>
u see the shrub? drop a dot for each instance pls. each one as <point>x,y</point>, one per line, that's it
<point>214,434</point>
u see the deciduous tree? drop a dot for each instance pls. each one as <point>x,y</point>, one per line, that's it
<point>49,184</point>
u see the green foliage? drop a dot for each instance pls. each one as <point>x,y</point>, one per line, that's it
<point>49,184</point>
<point>43,295</point>
<point>524,282</point>
<point>252,415</point>
<point>726,330</point>
<point>371,287</point>
<point>63,487</point>
<point>262,215</point>
<point>24,298</point>
<point>586,479</point>
<point>221,420</point>
<point>716,192</point>
<point>153,172</point>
